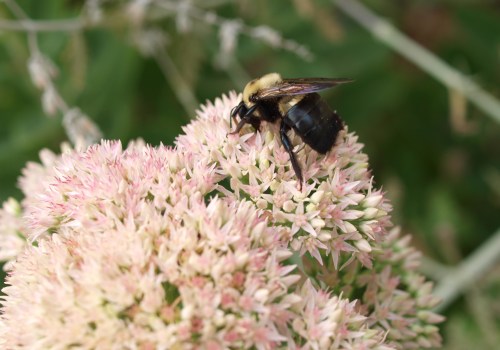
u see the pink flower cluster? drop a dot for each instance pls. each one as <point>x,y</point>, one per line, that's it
<point>337,213</point>
<point>208,245</point>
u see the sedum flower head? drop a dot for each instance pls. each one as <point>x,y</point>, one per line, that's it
<point>338,213</point>
<point>203,277</point>
<point>196,247</point>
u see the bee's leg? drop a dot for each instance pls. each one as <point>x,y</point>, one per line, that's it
<point>236,111</point>
<point>289,148</point>
<point>254,121</point>
<point>246,118</point>
<point>240,125</point>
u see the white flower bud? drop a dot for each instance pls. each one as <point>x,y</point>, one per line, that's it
<point>372,200</point>
<point>295,244</point>
<point>269,137</point>
<point>259,228</point>
<point>298,325</point>
<point>317,223</point>
<point>424,342</point>
<point>353,214</point>
<point>261,295</point>
<point>274,185</point>
<point>299,196</point>
<point>187,312</point>
<point>283,255</point>
<point>336,315</point>
<point>370,213</point>
<point>325,342</point>
<point>317,196</point>
<point>311,207</point>
<point>381,213</point>
<point>218,318</point>
<point>349,228</point>
<point>289,206</point>
<point>12,207</point>
<point>264,159</point>
<point>360,166</point>
<point>324,236</point>
<point>367,229</point>
<point>356,197</point>
<point>290,280</point>
<point>241,259</point>
<point>363,245</point>
<point>122,186</point>
<point>261,203</point>
<point>230,319</point>
<point>291,299</point>
<point>429,316</point>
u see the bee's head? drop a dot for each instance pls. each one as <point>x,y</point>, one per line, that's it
<point>255,85</point>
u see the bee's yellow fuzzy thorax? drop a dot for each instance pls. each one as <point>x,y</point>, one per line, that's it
<point>258,84</point>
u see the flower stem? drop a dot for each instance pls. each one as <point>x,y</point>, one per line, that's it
<point>63,25</point>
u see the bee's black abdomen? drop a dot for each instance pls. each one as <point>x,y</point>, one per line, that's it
<point>314,121</point>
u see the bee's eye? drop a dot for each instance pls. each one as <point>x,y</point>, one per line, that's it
<point>252,98</point>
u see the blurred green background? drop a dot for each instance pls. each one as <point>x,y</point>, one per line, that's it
<point>436,156</point>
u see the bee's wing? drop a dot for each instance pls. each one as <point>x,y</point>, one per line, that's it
<point>299,86</point>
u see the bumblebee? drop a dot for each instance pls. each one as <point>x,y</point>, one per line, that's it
<point>296,104</point>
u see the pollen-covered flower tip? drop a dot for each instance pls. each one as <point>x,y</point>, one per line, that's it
<point>210,244</point>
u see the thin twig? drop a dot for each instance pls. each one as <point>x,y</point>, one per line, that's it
<point>24,19</point>
<point>427,61</point>
<point>262,33</point>
<point>468,271</point>
<point>63,25</point>
<point>81,130</point>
